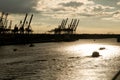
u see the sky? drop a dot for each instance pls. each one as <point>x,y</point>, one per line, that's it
<point>96,16</point>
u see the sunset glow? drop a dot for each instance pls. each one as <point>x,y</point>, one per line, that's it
<point>107,52</point>
<point>96,16</point>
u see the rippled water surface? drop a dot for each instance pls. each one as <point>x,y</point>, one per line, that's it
<point>61,60</point>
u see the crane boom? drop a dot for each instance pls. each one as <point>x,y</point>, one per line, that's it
<point>30,21</point>
<point>76,25</point>
<point>24,20</point>
<point>1,16</point>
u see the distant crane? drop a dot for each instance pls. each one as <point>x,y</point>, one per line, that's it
<point>28,29</point>
<point>22,27</point>
<point>5,28</point>
<point>9,27</point>
<point>72,26</point>
<point>3,22</point>
<point>60,28</point>
<point>68,30</point>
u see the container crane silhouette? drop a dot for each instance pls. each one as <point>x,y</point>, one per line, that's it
<point>67,30</point>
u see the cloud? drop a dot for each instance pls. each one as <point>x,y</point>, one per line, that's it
<point>101,8</point>
<point>112,16</point>
<point>55,8</point>
<point>116,14</point>
<point>18,6</point>
<point>48,5</point>
<point>87,14</point>
<point>72,4</point>
<point>59,9</point>
<point>118,3</point>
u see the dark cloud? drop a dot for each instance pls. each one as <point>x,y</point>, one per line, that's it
<point>116,12</point>
<point>112,3</point>
<point>18,6</point>
<point>98,8</point>
<point>72,4</point>
<point>58,9</point>
<point>87,14</point>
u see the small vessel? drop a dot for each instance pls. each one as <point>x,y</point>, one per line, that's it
<point>31,45</point>
<point>15,49</point>
<point>101,48</point>
<point>95,54</point>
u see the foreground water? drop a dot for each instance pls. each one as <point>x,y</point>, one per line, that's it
<point>61,61</point>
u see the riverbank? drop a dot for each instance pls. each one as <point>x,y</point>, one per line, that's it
<point>7,39</point>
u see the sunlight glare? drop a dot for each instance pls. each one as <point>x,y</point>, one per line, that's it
<point>88,49</point>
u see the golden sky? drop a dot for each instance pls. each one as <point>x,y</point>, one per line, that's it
<point>96,16</point>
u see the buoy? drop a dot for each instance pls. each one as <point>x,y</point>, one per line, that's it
<point>95,54</point>
<point>14,49</point>
<point>94,40</point>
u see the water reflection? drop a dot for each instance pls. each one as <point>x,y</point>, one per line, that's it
<point>61,61</point>
<point>106,51</point>
<point>94,68</point>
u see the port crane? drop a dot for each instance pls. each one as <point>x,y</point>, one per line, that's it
<point>67,30</point>
<point>28,29</point>
<point>21,27</point>
<point>4,23</point>
<point>61,27</point>
<point>72,26</point>
<point>1,22</point>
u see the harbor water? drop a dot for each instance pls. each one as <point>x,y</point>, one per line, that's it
<point>61,60</point>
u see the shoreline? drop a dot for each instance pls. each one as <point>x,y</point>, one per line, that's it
<point>9,38</point>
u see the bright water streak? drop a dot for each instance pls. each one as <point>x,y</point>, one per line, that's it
<point>61,61</point>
